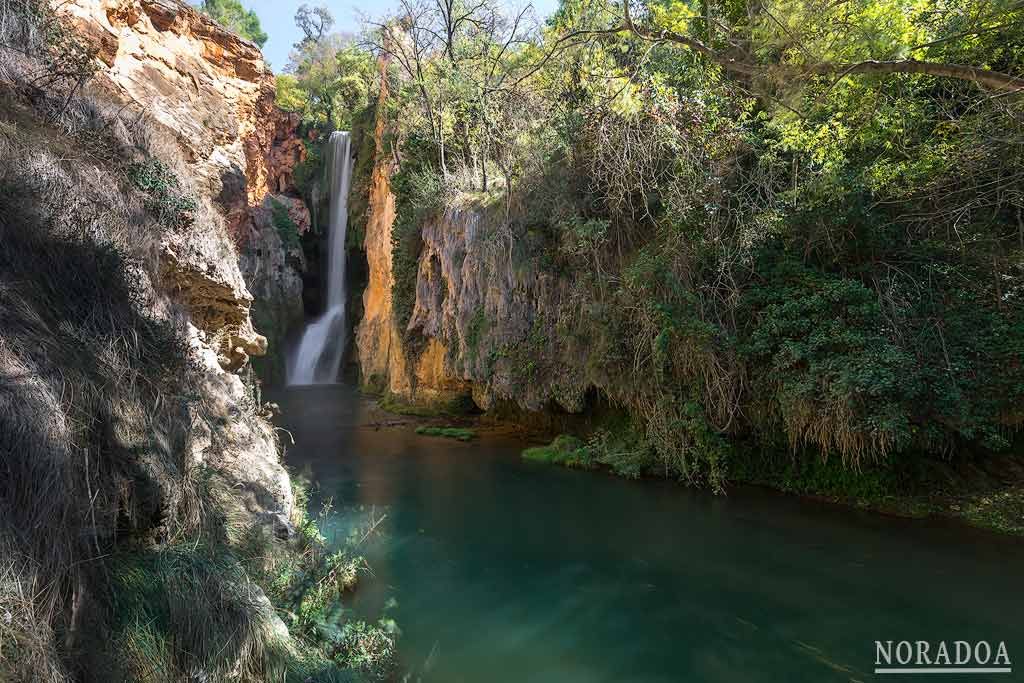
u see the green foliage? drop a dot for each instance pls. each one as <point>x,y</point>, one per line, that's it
<point>564,450</point>
<point>307,585</point>
<point>288,94</point>
<point>817,343</point>
<point>792,254</point>
<point>309,180</point>
<point>459,433</point>
<point>626,452</point>
<point>364,145</point>
<point>419,195</point>
<point>330,82</point>
<point>369,648</point>
<point>182,606</point>
<point>163,192</point>
<point>811,474</point>
<point>623,451</point>
<point>285,226</point>
<point>231,14</point>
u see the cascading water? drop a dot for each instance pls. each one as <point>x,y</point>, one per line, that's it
<point>317,358</point>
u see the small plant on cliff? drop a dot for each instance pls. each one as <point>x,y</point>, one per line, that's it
<point>285,226</point>
<point>163,192</point>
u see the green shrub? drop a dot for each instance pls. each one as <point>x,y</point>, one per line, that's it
<point>369,648</point>
<point>285,226</point>
<point>817,347</point>
<point>625,451</point>
<point>565,450</point>
<point>163,192</point>
<point>460,433</point>
<point>806,473</point>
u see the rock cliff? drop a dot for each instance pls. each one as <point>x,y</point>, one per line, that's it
<point>482,325</point>
<point>205,84</point>
<point>213,92</point>
<point>204,99</point>
<point>378,339</point>
<point>133,445</point>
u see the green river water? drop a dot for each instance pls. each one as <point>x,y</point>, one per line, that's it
<point>498,570</point>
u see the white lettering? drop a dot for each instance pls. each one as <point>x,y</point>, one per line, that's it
<point>963,652</point>
<point>883,651</point>
<point>932,657</point>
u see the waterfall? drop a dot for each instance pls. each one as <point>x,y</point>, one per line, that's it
<point>317,358</point>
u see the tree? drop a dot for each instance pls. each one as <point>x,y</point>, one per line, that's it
<point>232,15</point>
<point>290,96</point>
<point>326,80</point>
<point>793,41</point>
<point>315,23</point>
<point>459,56</point>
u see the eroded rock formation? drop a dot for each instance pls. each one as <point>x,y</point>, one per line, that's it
<point>210,92</point>
<point>213,92</point>
<point>481,326</point>
<point>382,358</point>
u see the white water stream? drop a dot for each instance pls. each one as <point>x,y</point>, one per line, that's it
<point>317,359</point>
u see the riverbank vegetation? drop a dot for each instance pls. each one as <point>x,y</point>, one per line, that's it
<point>457,433</point>
<point>788,227</point>
<point>781,228</point>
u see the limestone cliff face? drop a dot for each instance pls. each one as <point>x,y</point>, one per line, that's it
<point>213,92</point>
<point>482,325</point>
<point>382,358</point>
<point>205,84</point>
<point>272,269</point>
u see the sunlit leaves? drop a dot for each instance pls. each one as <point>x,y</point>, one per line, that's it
<point>676,15</point>
<point>290,96</point>
<point>329,81</point>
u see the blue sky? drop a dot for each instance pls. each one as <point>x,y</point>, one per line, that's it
<point>278,20</point>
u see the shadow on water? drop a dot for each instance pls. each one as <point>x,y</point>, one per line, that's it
<point>508,571</point>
